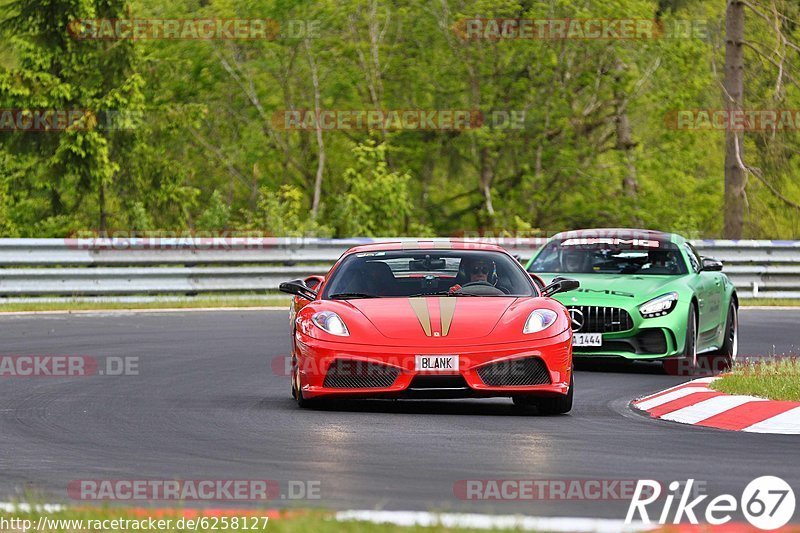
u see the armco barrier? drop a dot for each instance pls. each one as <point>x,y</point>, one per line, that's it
<point>94,266</point>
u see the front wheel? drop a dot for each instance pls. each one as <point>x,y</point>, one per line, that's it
<point>548,406</point>
<point>297,390</point>
<point>724,358</point>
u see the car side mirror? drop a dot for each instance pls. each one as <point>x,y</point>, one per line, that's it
<point>312,282</point>
<point>299,288</point>
<point>560,285</point>
<point>537,280</point>
<point>711,265</point>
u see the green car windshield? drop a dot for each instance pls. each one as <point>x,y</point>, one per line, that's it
<point>609,256</point>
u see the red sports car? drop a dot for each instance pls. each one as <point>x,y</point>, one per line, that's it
<point>431,320</point>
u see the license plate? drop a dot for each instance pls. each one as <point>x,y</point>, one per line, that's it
<point>436,363</point>
<point>587,339</point>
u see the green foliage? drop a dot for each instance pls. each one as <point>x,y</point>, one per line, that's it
<point>376,201</point>
<point>216,216</point>
<point>196,146</point>
<point>284,213</point>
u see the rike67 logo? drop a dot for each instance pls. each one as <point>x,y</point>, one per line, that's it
<point>768,502</point>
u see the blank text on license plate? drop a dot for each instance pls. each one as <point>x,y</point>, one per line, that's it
<point>587,339</point>
<point>436,363</point>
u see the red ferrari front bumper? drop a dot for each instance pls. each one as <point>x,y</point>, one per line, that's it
<point>339,369</point>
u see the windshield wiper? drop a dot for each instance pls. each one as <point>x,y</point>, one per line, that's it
<point>348,295</point>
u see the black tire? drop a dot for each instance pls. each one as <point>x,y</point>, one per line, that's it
<point>686,364</point>
<point>724,358</point>
<point>548,406</point>
<point>297,392</point>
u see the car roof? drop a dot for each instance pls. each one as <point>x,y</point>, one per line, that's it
<point>620,233</point>
<point>430,244</point>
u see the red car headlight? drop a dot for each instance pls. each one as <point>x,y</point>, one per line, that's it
<point>539,320</point>
<point>330,322</point>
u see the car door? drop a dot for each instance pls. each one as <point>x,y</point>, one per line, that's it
<point>708,287</point>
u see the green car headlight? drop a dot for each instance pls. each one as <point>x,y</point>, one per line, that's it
<point>659,306</point>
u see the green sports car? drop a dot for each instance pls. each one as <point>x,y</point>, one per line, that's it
<point>644,295</point>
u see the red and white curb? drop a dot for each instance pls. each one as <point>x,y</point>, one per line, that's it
<point>697,404</point>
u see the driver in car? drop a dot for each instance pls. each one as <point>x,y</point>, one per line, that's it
<point>477,270</point>
<point>572,261</point>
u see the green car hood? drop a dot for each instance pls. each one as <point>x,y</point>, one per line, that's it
<point>613,289</point>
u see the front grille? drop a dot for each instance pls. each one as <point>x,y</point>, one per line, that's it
<point>351,374</point>
<point>515,373</point>
<point>598,319</point>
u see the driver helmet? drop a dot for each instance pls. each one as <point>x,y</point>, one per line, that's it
<point>572,261</point>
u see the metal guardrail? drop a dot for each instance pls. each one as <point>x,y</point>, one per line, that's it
<point>94,266</point>
<point>766,269</point>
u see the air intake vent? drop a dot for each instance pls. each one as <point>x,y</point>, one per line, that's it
<point>350,374</point>
<point>515,373</point>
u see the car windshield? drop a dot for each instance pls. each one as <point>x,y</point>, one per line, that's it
<point>426,273</point>
<point>609,256</point>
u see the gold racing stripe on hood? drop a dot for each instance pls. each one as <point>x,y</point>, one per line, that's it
<point>420,307</point>
<point>447,308</point>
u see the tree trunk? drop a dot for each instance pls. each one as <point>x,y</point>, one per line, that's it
<point>735,199</point>
<point>103,229</point>
<point>487,177</point>
<point>320,143</point>
<point>625,143</point>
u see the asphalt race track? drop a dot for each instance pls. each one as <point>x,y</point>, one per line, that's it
<point>207,404</point>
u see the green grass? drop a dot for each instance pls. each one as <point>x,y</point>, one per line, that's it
<point>292,521</point>
<point>244,301</point>
<point>769,302</point>
<point>188,303</point>
<point>776,379</point>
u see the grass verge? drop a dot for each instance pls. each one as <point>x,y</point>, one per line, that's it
<point>34,304</point>
<point>769,302</point>
<point>775,379</point>
<point>228,300</point>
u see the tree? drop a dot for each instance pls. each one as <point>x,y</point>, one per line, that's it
<point>733,85</point>
<point>59,72</point>
<point>377,201</point>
